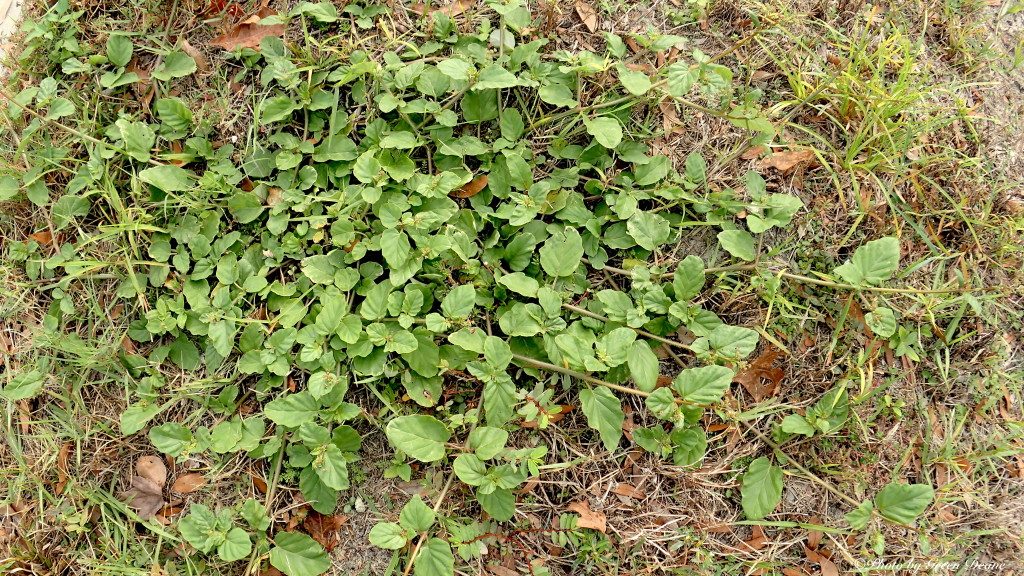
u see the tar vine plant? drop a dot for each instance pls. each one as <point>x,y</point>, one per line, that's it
<point>400,218</point>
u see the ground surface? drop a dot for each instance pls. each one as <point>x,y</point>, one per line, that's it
<point>898,120</point>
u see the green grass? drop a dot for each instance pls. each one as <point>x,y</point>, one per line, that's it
<point>112,349</point>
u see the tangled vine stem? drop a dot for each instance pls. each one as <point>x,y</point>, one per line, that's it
<point>819,281</point>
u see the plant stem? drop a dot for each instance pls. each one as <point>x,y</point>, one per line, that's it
<point>644,333</point>
<point>585,377</point>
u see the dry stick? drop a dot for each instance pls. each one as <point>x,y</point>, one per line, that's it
<point>810,475</point>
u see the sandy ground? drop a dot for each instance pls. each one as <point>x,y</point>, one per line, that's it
<point>10,16</point>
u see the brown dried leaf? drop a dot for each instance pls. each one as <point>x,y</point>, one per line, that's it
<point>249,33</point>
<point>324,529</point>
<point>472,188</point>
<point>188,483</point>
<point>587,15</point>
<point>786,161</point>
<point>42,237</point>
<point>146,493</point>
<point>589,518</point>
<point>454,9</point>
<point>814,536</point>
<point>828,567</point>
<point>152,468</point>
<point>629,491</point>
<point>202,64</point>
<point>761,378</point>
<point>757,539</point>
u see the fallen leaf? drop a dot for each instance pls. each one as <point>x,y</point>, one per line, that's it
<point>188,483</point>
<point>814,536</point>
<point>629,491</point>
<point>589,518</point>
<point>202,64</point>
<point>757,539</point>
<point>249,33</point>
<point>587,15</point>
<point>753,152</point>
<point>670,122</point>
<point>42,237</point>
<point>788,160</point>
<point>146,494</point>
<point>472,188</point>
<point>454,9</point>
<point>259,484</point>
<point>324,529</point>
<point>761,378</point>
<point>828,567</point>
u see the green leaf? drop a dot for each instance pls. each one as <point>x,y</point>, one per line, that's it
<point>500,504</point>
<point>435,559</point>
<point>728,341</point>
<point>401,140</point>
<point>635,82</point>
<point>739,243</point>
<point>416,516</point>
<point>197,527</point>
<point>292,410</point>
<point>882,322</point>
<point>119,49</point>
<point>171,438</point>
<point>494,76</point>
<point>136,416</point>
<point>643,366</point>
<point>168,178</point>
<point>332,468</point>
<point>761,488</point>
<point>688,279</point>
<point>520,284</point>
<point>650,230</point>
<point>245,207</point>
<point>607,131</point>
<point>276,109</point>
<point>557,95</point>
<point>236,545</point>
<point>174,65</point>
<point>395,247</point>
<point>797,424</point>
<point>455,68</point>
<point>459,302</point>
<point>298,555</point>
<point>23,385</point>
<point>689,445</point>
<point>421,437</point>
<point>389,536</point>
<point>662,403</point>
<point>8,187</point>
<point>323,12</point>
<point>859,517</point>
<point>470,469</point>
<point>872,263</point>
<point>562,253</point>
<point>487,441</point>
<point>903,503</point>
<point>703,385</point>
<point>318,269</point>
<point>604,414</point>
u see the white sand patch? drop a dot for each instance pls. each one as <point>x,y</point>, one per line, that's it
<point>10,17</point>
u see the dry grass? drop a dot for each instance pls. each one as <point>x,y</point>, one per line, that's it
<point>954,195</point>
